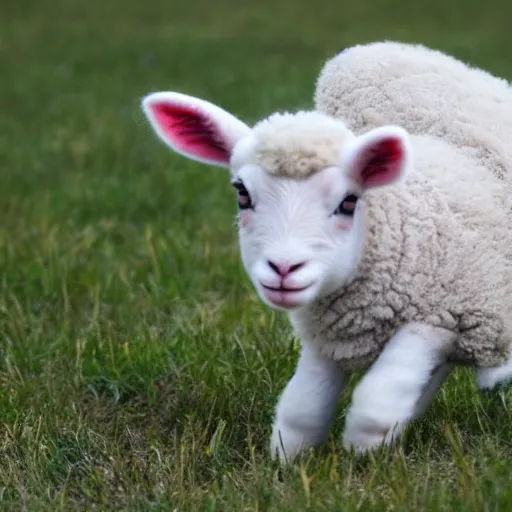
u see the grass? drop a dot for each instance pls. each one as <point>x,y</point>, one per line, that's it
<point>138,370</point>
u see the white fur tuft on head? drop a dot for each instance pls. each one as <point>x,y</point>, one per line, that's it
<point>298,145</point>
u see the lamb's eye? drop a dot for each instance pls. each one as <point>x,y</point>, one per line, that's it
<point>347,206</point>
<point>244,199</point>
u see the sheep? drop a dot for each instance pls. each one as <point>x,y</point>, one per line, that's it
<point>386,249</point>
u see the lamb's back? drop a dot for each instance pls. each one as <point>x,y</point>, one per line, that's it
<point>426,92</point>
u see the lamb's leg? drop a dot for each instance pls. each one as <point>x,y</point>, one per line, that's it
<point>396,387</point>
<point>494,377</point>
<point>306,407</point>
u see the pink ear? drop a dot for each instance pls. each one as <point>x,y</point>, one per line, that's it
<point>380,157</point>
<point>194,127</point>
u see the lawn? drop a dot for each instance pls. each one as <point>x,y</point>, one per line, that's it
<point>138,369</point>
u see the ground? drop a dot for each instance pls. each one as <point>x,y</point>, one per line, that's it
<point>138,369</point>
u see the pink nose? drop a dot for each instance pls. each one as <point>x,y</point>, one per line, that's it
<point>284,268</point>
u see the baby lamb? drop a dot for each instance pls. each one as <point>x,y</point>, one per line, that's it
<point>388,250</point>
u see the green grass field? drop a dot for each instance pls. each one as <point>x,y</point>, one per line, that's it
<point>138,369</point>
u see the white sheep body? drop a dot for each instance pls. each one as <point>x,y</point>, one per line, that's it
<point>433,94</point>
<point>437,251</point>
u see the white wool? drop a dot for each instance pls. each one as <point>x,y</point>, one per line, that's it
<point>426,92</point>
<point>297,145</point>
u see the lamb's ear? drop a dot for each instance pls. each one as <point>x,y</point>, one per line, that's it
<point>194,127</point>
<point>379,157</point>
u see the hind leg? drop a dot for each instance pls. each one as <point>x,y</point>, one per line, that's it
<point>494,377</point>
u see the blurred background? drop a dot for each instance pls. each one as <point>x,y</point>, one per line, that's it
<point>137,366</point>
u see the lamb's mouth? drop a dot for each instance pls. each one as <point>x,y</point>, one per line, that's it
<point>285,290</point>
<point>282,297</point>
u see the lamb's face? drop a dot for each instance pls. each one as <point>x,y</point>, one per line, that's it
<point>299,179</point>
<point>300,239</point>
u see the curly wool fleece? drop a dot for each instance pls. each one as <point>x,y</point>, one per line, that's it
<point>438,248</point>
<point>426,92</point>
<point>434,252</point>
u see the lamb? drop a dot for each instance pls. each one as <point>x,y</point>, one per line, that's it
<point>388,250</point>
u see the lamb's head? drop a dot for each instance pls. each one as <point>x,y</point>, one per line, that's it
<point>299,178</point>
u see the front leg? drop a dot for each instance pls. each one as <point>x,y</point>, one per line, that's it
<point>392,391</point>
<point>306,407</point>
